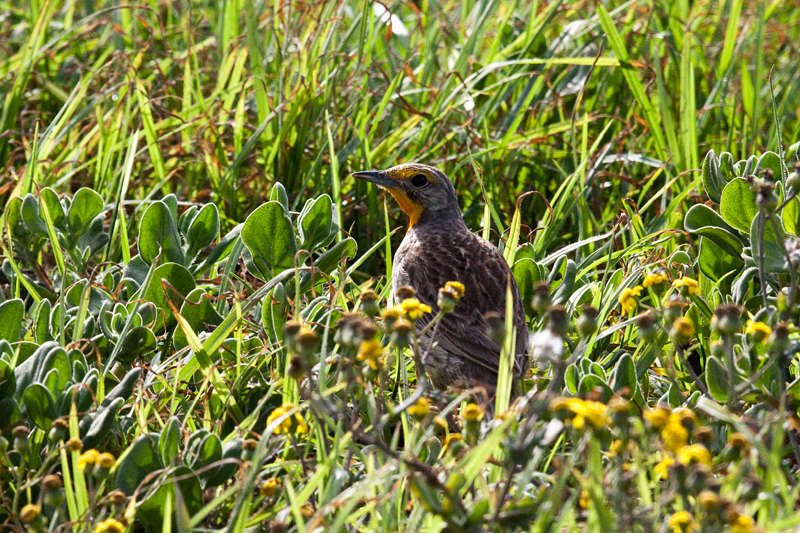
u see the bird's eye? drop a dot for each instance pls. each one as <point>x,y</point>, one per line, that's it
<point>419,180</point>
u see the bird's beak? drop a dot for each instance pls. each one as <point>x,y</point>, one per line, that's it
<point>378,177</point>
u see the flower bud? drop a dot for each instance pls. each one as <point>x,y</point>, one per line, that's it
<point>541,297</point>
<point>21,442</point>
<point>673,309</point>
<point>74,444</point>
<point>390,315</point>
<point>369,303</point>
<point>648,328</point>
<point>587,322</point>
<point>766,199</point>
<point>30,514</point>
<point>727,319</point>
<point>248,448</point>
<point>52,490</point>
<point>290,331</point>
<point>447,300</point>
<point>558,319</point>
<point>779,338</point>
<point>347,330</point>
<point>405,293</point>
<point>793,180</point>
<point>58,430</point>
<point>703,435</point>
<point>402,333</point>
<point>682,330</point>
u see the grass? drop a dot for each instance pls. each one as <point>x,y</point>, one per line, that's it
<point>231,324</point>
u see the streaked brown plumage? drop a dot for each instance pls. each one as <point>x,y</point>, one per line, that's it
<point>438,248</point>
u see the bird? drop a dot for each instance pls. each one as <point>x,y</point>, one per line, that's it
<point>438,247</point>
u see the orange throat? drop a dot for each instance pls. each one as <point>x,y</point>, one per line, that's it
<point>413,210</point>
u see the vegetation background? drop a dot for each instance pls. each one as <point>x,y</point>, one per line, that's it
<point>606,109</point>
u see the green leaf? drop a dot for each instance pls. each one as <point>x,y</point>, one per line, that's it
<point>791,217</point>
<point>203,230</point>
<point>9,412</point>
<point>95,428</point>
<point>54,207</point>
<point>315,223</point>
<point>11,314</point>
<point>567,285</point>
<point>199,312</point>
<point>142,459</point>
<point>624,375</point>
<point>590,382</point>
<point>203,453</point>
<point>30,215</point>
<point>40,406</point>
<point>716,379</point>
<point>278,194</point>
<point>572,378</point>
<point>716,262</point>
<point>770,161</point>
<point>527,274</point>
<point>158,234</point>
<point>774,260</point>
<point>170,441</point>
<point>8,382</point>
<point>151,512</point>
<point>713,182</point>
<point>269,236</point>
<point>124,388</point>
<point>738,205</point>
<point>703,220</point>
<point>231,451</point>
<point>177,276</point>
<point>139,341</point>
<point>86,205</point>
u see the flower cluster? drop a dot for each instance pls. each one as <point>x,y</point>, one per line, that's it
<point>580,412</point>
<point>291,424</point>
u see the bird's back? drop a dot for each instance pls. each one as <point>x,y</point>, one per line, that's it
<point>430,256</point>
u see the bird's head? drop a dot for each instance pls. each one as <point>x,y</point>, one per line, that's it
<point>424,193</point>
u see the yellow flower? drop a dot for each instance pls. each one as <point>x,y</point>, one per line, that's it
<point>694,453</point>
<point>738,441</point>
<point>657,417</point>
<point>413,309</point>
<point>662,469</point>
<point>681,522</point>
<point>30,512</point>
<point>674,434</point>
<point>455,286</point>
<point>709,500</point>
<point>88,458</point>
<point>655,278</point>
<point>74,444</point>
<point>106,460</point>
<point>392,313</point>
<point>295,423</point>
<point>109,526</point>
<point>371,352</point>
<point>692,286</point>
<point>451,439</point>
<point>419,409</point>
<point>588,411</point>
<point>741,523</point>
<point>584,500</point>
<point>628,299</point>
<point>472,413</point>
<point>270,487</point>
<point>758,330</point>
<point>683,328</point>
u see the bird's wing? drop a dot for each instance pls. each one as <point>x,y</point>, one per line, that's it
<point>484,272</point>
